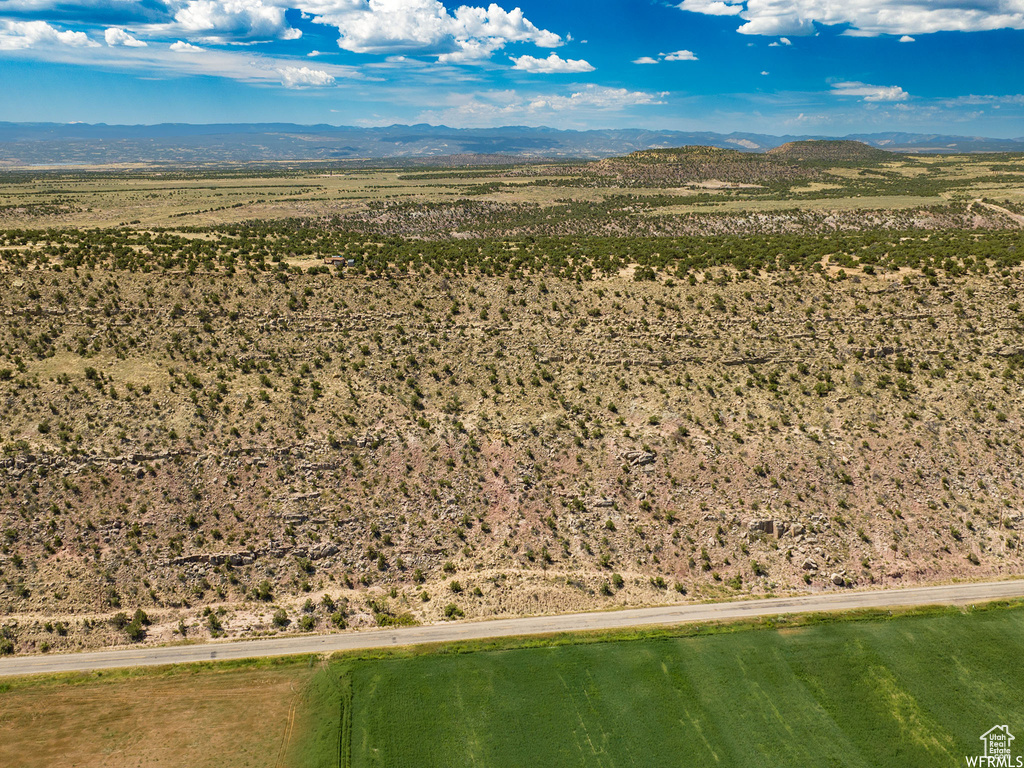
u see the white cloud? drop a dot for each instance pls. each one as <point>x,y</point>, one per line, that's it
<point>603,97</point>
<point>866,18</point>
<point>712,7</point>
<point>464,34</point>
<point>21,35</point>
<point>675,56</point>
<point>781,41</point>
<point>679,56</point>
<point>116,36</point>
<point>553,64</point>
<point>470,52</point>
<point>907,39</point>
<point>304,77</point>
<point>426,27</point>
<point>314,54</point>
<point>181,58</point>
<point>498,107</point>
<point>870,93</point>
<point>495,22</point>
<point>973,99</point>
<point>220,21</point>
<point>765,72</point>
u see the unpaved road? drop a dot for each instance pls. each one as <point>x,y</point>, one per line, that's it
<point>955,594</point>
<point>999,209</point>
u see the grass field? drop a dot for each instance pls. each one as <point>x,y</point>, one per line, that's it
<point>914,691</point>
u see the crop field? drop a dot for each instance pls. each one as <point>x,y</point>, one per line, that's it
<point>912,691</point>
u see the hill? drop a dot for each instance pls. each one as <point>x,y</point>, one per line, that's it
<point>829,151</point>
<point>662,166</point>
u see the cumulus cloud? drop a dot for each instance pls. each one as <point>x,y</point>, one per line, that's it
<point>865,17</point>
<point>553,64</point>
<point>426,27</point>
<point>645,60</point>
<point>116,36</point>
<point>225,20</point>
<point>182,47</point>
<point>20,35</point>
<point>712,7</point>
<point>907,39</point>
<point>465,34</point>
<point>495,22</point>
<point>304,77</point>
<point>872,93</point>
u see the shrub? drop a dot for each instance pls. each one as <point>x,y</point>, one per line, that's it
<point>263,591</point>
<point>452,611</point>
<point>281,618</point>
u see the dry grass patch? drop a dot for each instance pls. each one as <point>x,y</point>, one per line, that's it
<point>189,719</point>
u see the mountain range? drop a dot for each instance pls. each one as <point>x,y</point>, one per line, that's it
<point>27,144</point>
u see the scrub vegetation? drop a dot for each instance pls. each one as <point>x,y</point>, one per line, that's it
<point>507,397</point>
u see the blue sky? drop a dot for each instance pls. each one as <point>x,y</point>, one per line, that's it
<point>827,67</point>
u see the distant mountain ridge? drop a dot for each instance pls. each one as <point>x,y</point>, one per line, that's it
<point>101,144</point>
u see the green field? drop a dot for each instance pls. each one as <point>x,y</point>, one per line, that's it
<point>910,691</point>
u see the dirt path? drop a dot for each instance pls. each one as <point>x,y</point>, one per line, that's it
<point>999,209</point>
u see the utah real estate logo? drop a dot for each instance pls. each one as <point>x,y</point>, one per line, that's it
<point>998,752</point>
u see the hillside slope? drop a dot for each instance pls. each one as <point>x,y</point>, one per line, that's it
<point>225,446</point>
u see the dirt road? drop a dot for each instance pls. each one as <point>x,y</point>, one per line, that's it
<point>955,594</point>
